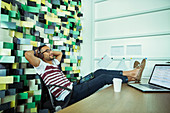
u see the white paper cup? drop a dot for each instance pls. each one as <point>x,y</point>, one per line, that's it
<point>117,83</point>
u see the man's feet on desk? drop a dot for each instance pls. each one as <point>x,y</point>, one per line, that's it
<point>141,67</point>
<point>136,74</point>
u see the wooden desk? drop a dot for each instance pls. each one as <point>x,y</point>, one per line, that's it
<point>129,100</point>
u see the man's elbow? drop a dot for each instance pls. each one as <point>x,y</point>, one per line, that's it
<point>27,54</point>
<point>61,53</point>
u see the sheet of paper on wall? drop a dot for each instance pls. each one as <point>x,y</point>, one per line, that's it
<point>134,50</point>
<point>105,61</point>
<point>117,51</point>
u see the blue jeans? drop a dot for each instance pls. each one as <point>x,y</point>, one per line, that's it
<point>101,78</point>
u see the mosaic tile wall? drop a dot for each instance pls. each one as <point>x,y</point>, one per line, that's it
<point>32,23</point>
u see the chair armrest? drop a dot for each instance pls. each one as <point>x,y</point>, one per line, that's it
<point>52,101</point>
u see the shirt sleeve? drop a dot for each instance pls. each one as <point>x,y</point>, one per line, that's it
<point>41,68</point>
<point>56,62</point>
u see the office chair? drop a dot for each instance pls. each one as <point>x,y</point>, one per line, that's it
<point>48,101</point>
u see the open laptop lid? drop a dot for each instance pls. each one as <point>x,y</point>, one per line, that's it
<point>161,76</point>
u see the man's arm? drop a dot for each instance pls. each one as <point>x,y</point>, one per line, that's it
<point>58,55</point>
<point>33,60</point>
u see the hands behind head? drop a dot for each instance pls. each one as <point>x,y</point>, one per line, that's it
<point>36,53</point>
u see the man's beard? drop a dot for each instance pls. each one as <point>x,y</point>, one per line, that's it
<point>52,58</point>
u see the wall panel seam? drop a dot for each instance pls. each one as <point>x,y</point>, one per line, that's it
<point>134,36</point>
<point>99,1</point>
<point>134,14</point>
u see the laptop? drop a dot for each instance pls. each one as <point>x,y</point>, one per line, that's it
<point>159,80</point>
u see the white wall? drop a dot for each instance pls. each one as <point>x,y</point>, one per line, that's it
<point>132,22</point>
<point>86,46</point>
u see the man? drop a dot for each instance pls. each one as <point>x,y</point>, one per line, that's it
<point>46,61</point>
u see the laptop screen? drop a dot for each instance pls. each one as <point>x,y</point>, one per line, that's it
<point>161,75</point>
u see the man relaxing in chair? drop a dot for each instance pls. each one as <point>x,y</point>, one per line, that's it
<point>46,61</point>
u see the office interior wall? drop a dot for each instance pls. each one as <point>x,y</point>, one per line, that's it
<point>25,25</point>
<point>86,46</point>
<point>86,34</point>
<point>120,23</point>
<point>5,33</point>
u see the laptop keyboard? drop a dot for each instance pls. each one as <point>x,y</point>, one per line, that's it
<point>150,86</point>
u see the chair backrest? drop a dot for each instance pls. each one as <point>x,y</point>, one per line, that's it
<point>48,101</point>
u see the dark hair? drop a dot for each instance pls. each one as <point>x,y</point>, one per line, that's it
<point>39,48</point>
<point>40,55</point>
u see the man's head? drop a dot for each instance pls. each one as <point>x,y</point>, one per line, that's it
<point>45,53</point>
